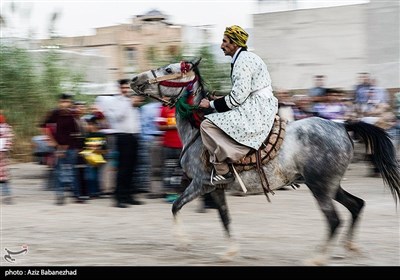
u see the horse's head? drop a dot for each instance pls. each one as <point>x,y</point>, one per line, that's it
<point>168,81</point>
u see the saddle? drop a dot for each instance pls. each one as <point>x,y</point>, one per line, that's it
<point>268,150</point>
<point>255,159</point>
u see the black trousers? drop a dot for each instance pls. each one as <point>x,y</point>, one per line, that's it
<point>127,147</point>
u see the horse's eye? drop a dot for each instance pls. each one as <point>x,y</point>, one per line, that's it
<point>168,70</point>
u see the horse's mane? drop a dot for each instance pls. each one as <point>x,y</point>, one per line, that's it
<point>185,108</point>
<point>200,79</point>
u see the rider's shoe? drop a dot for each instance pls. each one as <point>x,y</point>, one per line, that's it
<point>222,179</point>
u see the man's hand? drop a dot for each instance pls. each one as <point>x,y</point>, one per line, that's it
<point>211,95</point>
<point>204,103</point>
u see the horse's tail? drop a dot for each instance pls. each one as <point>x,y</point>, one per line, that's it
<point>383,153</point>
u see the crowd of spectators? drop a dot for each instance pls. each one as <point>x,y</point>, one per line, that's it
<point>116,146</point>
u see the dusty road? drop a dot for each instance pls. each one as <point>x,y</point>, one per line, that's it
<point>284,232</point>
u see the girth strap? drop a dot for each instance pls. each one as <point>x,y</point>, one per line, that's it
<point>263,176</point>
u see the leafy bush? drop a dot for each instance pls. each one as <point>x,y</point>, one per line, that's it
<point>29,87</point>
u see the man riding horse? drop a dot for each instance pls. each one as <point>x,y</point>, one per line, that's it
<point>243,118</point>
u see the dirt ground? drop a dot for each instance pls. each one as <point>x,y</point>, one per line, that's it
<point>284,232</point>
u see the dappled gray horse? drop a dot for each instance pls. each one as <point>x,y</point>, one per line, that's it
<point>316,150</point>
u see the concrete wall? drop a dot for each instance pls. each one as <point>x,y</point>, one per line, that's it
<point>383,29</point>
<point>338,42</point>
<point>112,43</point>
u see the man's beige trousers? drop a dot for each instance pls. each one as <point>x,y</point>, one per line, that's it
<point>221,146</point>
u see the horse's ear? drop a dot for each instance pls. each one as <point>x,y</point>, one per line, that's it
<point>195,61</point>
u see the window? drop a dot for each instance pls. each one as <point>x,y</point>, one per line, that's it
<point>131,54</point>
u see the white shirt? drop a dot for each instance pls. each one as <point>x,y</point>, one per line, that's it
<point>120,113</point>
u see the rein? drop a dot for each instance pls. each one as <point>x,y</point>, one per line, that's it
<point>182,100</point>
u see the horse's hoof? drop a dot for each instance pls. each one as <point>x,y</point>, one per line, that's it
<point>317,261</point>
<point>225,258</point>
<point>354,251</point>
<point>182,241</point>
<point>181,238</point>
<point>230,254</point>
<point>351,246</point>
<point>182,246</point>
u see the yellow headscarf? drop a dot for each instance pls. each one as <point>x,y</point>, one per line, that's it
<point>237,35</point>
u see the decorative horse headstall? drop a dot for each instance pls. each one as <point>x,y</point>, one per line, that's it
<point>166,81</point>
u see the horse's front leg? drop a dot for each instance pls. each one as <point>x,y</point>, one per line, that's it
<point>219,198</point>
<point>194,190</point>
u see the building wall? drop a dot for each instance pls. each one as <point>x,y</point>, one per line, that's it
<point>114,43</point>
<point>298,44</point>
<point>383,52</point>
<point>338,42</point>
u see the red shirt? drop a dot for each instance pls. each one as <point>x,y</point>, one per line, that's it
<point>171,137</point>
<point>66,128</point>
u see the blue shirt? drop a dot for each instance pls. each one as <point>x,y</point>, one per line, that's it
<point>149,113</point>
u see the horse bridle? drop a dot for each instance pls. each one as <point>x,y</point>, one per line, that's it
<point>167,81</point>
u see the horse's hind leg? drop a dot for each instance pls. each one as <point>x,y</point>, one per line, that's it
<point>354,205</point>
<point>326,205</point>
<point>219,198</point>
<point>218,195</point>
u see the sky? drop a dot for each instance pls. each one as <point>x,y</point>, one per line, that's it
<point>77,18</point>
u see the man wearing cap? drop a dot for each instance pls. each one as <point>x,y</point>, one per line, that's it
<point>244,117</point>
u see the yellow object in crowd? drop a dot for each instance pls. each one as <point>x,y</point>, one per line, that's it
<point>93,158</point>
<point>171,121</point>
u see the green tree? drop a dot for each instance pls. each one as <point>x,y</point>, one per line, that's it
<point>31,82</point>
<point>216,75</point>
<point>19,91</point>
<point>29,88</point>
